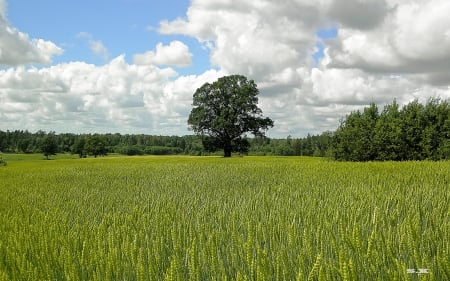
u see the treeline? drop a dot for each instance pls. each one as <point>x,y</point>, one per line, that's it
<point>311,145</point>
<point>84,144</point>
<point>100,144</point>
<point>412,132</point>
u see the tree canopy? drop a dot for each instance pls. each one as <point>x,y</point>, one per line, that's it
<point>224,111</point>
<point>95,146</point>
<point>414,132</point>
<point>49,145</point>
<point>28,142</point>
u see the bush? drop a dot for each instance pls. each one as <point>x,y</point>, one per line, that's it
<point>162,150</point>
<point>2,161</point>
<point>130,150</point>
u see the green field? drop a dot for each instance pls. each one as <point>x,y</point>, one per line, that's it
<point>210,218</point>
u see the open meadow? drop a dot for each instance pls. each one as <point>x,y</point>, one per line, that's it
<point>211,218</point>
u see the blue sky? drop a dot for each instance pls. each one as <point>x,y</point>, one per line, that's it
<point>323,34</point>
<point>132,66</point>
<point>122,26</point>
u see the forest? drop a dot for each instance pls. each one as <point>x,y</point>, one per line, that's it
<point>414,131</point>
<point>139,144</point>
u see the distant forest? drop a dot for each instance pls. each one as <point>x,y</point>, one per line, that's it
<point>140,144</point>
<point>413,132</point>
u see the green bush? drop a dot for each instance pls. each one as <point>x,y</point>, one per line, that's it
<point>2,161</point>
<point>130,150</point>
<point>162,150</point>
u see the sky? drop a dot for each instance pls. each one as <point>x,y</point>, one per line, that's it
<point>132,66</point>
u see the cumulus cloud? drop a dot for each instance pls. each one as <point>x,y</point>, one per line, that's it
<point>174,54</point>
<point>359,14</point>
<point>80,97</point>
<point>411,40</point>
<point>384,49</point>
<point>252,38</point>
<point>16,48</point>
<point>3,9</point>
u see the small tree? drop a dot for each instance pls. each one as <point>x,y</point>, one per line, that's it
<point>2,161</point>
<point>78,147</point>
<point>388,135</point>
<point>49,145</point>
<point>95,146</point>
<point>225,111</point>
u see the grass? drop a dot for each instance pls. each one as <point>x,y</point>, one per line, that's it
<point>15,157</point>
<point>210,218</point>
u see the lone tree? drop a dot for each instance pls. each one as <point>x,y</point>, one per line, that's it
<point>224,111</point>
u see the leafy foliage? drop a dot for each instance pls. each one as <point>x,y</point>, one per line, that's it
<point>311,145</point>
<point>49,145</point>
<point>95,146</point>
<point>3,161</point>
<point>225,111</point>
<point>79,147</point>
<point>414,132</point>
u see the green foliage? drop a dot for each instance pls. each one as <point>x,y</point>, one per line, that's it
<point>354,139</point>
<point>388,138</point>
<point>95,146</point>
<point>79,147</point>
<point>148,150</point>
<point>129,150</point>
<point>162,150</point>
<point>225,111</point>
<point>252,218</point>
<point>311,145</point>
<point>2,161</point>
<point>48,145</point>
<point>415,132</point>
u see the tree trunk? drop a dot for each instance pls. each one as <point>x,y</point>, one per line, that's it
<point>227,150</point>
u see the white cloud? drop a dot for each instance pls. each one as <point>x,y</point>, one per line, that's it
<point>174,54</point>
<point>327,95</point>
<point>96,46</point>
<point>16,48</point>
<point>358,14</point>
<point>384,50</point>
<point>115,97</point>
<point>424,24</point>
<point>3,9</point>
<point>411,39</point>
<point>252,38</point>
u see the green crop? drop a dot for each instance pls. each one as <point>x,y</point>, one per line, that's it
<point>252,218</point>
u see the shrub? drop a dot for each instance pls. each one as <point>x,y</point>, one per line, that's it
<point>163,150</point>
<point>130,150</point>
<point>2,161</point>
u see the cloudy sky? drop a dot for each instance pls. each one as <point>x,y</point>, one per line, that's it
<point>132,66</point>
